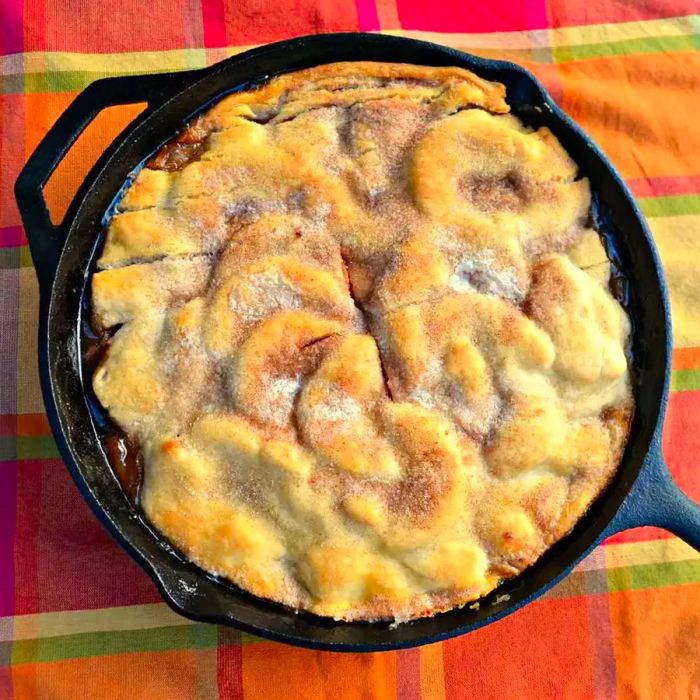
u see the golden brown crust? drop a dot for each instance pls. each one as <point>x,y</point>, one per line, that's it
<point>367,345</point>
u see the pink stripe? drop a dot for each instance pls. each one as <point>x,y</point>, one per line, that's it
<point>603,653</point>
<point>229,664</point>
<point>11,236</point>
<point>536,14</point>
<point>9,323</point>
<point>408,674</point>
<point>26,561</point>
<point>660,186</point>
<point>638,534</point>
<point>11,22</point>
<point>214,23</point>
<point>192,25</point>
<point>8,494</point>
<point>108,577</point>
<point>367,18</point>
<point>6,679</point>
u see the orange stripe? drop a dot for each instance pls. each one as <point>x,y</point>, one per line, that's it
<point>686,358</point>
<point>101,131</point>
<point>655,633</point>
<point>168,674</point>
<point>635,107</point>
<point>432,673</point>
<point>32,425</point>
<point>388,14</point>
<point>277,671</point>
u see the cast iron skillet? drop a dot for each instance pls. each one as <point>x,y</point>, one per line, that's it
<point>641,492</point>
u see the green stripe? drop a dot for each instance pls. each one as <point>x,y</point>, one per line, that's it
<point>647,44</point>
<point>67,81</point>
<point>35,447</point>
<point>187,636</point>
<point>72,81</point>
<point>11,258</point>
<point>107,643</point>
<point>685,380</point>
<point>654,575</point>
<point>694,25</point>
<point>25,257</point>
<point>15,257</point>
<point>673,205</point>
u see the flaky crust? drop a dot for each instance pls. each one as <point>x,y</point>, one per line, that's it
<point>364,340</point>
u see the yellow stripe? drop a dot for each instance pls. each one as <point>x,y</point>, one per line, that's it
<point>637,553</point>
<point>678,240</point>
<point>180,59</point>
<point>113,63</point>
<point>29,391</point>
<point>623,31</point>
<point>56,624</point>
<point>640,553</point>
<point>563,36</point>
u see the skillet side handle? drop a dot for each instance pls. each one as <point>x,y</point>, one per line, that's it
<point>656,500</point>
<point>45,238</point>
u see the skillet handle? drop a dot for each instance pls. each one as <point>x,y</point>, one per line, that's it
<point>45,238</point>
<point>656,500</point>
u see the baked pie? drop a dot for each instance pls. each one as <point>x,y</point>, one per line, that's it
<point>361,333</point>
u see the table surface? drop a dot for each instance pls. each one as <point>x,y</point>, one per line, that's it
<point>79,618</point>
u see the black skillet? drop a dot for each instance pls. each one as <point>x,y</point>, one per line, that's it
<point>641,493</point>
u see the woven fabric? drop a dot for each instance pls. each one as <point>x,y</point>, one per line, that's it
<point>79,619</point>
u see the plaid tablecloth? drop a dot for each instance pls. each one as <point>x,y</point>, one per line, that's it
<point>78,619</point>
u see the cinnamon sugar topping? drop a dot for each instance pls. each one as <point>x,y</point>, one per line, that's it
<point>365,343</point>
